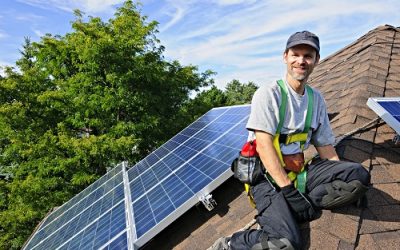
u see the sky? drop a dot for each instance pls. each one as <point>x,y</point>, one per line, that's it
<point>237,39</point>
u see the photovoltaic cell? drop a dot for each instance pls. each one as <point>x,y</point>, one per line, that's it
<point>126,208</point>
<point>76,216</point>
<point>82,195</point>
<point>99,231</point>
<point>120,243</point>
<point>388,108</point>
<point>58,234</point>
<point>393,107</point>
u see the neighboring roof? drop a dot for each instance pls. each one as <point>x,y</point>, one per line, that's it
<point>369,67</point>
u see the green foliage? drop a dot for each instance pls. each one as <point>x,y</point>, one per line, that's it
<point>235,93</point>
<point>80,103</point>
<point>239,93</point>
<point>85,101</point>
<point>203,102</point>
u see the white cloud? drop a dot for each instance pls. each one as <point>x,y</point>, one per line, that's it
<point>87,6</point>
<point>233,2</point>
<point>3,34</point>
<point>28,17</point>
<point>38,33</point>
<point>246,41</point>
<point>176,10</point>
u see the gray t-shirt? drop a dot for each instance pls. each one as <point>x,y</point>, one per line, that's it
<point>264,116</point>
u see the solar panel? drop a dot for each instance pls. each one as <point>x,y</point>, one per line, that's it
<point>388,108</point>
<point>169,181</point>
<point>124,209</point>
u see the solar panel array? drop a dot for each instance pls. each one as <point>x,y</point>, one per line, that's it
<point>124,209</point>
<point>388,108</point>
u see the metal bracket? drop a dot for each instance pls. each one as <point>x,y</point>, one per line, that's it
<point>208,202</point>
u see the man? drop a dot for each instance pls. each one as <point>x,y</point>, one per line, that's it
<point>330,183</point>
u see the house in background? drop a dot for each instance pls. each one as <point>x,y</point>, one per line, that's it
<point>369,67</point>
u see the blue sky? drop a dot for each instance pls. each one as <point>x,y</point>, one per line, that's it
<point>239,39</point>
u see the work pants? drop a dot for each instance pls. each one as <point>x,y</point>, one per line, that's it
<point>275,217</point>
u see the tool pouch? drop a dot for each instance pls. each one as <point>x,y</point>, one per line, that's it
<point>248,167</point>
<point>248,170</point>
<point>294,162</point>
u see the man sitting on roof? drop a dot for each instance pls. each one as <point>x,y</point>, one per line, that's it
<point>281,135</point>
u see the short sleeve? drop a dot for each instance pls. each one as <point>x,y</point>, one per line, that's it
<point>264,107</point>
<point>323,134</point>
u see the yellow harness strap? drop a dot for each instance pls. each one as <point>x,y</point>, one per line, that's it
<point>300,178</point>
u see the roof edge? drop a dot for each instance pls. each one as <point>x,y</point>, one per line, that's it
<point>379,28</point>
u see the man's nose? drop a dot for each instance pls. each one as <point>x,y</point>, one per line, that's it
<point>301,59</point>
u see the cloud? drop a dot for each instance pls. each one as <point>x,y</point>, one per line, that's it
<point>3,34</point>
<point>176,11</point>
<point>28,17</point>
<point>246,39</point>
<point>233,2</point>
<point>87,6</point>
<point>38,33</point>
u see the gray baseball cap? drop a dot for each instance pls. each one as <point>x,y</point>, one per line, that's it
<point>303,37</point>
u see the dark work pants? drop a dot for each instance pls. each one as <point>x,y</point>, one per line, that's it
<point>274,216</point>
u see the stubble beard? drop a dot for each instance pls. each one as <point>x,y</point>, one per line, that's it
<point>299,77</point>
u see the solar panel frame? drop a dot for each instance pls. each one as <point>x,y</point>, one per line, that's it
<point>390,116</point>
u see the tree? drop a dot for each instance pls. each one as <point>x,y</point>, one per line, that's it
<point>203,102</point>
<point>80,103</point>
<point>239,93</point>
<point>235,93</point>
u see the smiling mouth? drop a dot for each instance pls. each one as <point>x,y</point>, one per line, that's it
<point>300,69</point>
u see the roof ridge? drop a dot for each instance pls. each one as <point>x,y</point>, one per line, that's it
<point>363,37</point>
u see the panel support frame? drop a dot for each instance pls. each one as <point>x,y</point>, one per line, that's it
<point>130,221</point>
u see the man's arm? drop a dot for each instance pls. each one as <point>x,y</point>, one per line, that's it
<point>270,159</point>
<point>327,152</point>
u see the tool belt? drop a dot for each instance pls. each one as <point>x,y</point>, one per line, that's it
<point>293,162</point>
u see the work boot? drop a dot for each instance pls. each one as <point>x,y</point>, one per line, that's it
<point>221,244</point>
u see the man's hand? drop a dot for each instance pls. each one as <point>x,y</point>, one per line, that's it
<point>302,208</point>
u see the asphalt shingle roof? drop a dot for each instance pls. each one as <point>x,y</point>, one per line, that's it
<point>369,67</point>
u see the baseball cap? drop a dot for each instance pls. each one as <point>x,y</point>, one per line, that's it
<point>303,37</point>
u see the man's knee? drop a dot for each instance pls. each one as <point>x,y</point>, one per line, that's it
<point>341,193</point>
<point>358,172</point>
<point>275,244</point>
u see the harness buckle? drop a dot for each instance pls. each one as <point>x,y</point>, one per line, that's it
<point>296,137</point>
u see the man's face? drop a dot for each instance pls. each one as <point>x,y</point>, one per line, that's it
<point>300,61</point>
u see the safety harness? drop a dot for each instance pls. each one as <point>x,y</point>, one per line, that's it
<point>299,178</point>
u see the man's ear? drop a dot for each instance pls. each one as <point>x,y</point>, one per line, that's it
<point>285,57</point>
<point>317,59</point>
